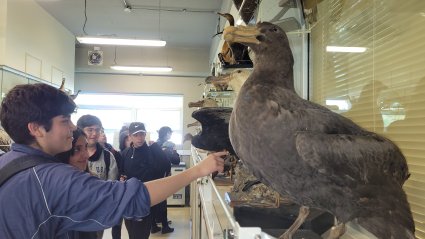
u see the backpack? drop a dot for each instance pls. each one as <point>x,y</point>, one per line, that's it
<point>107,158</point>
<point>20,164</point>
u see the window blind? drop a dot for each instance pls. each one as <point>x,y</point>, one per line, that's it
<point>383,88</point>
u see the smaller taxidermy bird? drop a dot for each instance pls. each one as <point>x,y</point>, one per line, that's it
<point>233,53</point>
<point>62,88</point>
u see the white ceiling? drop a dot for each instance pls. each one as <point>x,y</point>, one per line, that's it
<point>182,23</point>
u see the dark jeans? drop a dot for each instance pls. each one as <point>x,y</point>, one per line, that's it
<point>116,231</point>
<point>139,229</point>
<point>159,214</point>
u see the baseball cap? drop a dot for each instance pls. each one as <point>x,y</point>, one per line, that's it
<point>136,127</point>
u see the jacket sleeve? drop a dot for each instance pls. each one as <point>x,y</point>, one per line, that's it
<point>85,203</point>
<point>172,156</point>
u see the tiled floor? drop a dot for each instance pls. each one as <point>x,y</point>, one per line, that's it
<point>180,222</point>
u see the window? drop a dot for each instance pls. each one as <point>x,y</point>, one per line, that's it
<point>383,88</point>
<point>116,110</point>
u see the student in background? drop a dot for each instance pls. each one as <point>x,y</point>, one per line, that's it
<point>78,157</point>
<point>169,148</point>
<point>102,163</point>
<point>163,169</point>
<point>103,141</point>
<point>139,163</point>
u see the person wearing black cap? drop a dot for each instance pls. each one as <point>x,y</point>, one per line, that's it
<point>139,162</point>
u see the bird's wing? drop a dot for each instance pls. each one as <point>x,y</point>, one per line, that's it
<point>368,158</point>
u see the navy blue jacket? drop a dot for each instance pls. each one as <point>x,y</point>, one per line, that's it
<point>50,200</point>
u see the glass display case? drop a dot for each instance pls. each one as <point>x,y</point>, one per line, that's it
<point>10,77</point>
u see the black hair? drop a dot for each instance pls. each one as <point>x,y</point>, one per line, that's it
<point>65,156</point>
<point>38,103</point>
<point>124,128</point>
<point>88,120</point>
<point>122,138</point>
<point>163,131</point>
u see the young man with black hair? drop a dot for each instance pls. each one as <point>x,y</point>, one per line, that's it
<point>102,163</point>
<point>138,162</point>
<point>52,199</point>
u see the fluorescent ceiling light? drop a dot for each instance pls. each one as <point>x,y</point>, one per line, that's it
<point>142,68</point>
<point>118,41</point>
<point>345,49</point>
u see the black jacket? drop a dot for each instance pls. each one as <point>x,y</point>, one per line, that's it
<point>138,163</point>
<point>171,153</point>
<point>145,163</point>
<point>161,162</point>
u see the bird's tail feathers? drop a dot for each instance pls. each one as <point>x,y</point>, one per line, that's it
<point>392,219</point>
<point>383,229</point>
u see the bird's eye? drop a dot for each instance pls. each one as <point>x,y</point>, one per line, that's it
<point>274,29</point>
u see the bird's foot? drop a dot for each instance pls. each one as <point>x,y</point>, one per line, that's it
<point>337,231</point>
<point>285,236</point>
<point>302,215</point>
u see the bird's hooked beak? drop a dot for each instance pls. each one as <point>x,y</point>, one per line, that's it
<point>242,34</point>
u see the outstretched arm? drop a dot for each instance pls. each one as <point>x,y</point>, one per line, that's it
<point>160,189</point>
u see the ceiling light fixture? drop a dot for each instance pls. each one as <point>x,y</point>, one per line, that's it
<point>120,41</point>
<point>345,49</point>
<point>141,68</point>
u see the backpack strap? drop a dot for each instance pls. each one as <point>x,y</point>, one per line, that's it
<point>107,158</point>
<point>20,164</point>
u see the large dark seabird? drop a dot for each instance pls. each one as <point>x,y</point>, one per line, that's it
<point>318,158</point>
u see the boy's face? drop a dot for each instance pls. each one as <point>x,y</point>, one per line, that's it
<point>93,133</point>
<point>138,139</point>
<point>59,137</point>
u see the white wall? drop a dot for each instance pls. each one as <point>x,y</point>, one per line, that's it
<point>35,43</point>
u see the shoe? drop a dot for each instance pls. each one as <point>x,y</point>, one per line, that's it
<point>167,230</point>
<point>156,229</point>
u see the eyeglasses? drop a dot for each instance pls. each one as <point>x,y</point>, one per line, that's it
<point>92,130</point>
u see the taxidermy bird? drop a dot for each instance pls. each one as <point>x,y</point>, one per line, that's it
<point>233,53</point>
<point>214,135</point>
<point>234,79</point>
<point>218,84</point>
<point>316,157</point>
<point>207,102</point>
<point>62,88</point>
<point>193,124</point>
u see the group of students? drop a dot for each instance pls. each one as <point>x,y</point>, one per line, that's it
<point>91,153</point>
<point>60,197</point>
